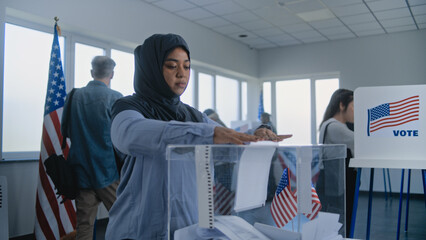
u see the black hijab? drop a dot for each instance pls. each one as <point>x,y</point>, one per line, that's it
<point>153,97</point>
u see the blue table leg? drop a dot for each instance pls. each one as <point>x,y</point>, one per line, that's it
<point>400,204</point>
<point>389,182</point>
<point>355,206</point>
<point>384,181</point>
<point>424,184</point>
<point>370,200</point>
<point>408,200</point>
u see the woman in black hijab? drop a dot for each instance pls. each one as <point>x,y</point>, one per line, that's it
<point>143,125</point>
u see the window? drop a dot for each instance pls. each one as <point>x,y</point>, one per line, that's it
<point>267,97</point>
<point>294,107</point>
<point>227,99</point>
<point>294,110</point>
<point>123,72</point>
<point>25,82</point>
<point>205,91</point>
<point>244,100</point>
<point>324,88</point>
<point>84,55</point>
<point>188,96</point>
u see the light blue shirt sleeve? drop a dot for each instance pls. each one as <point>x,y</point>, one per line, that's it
<point>135,135</point>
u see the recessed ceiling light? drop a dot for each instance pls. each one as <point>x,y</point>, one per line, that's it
<point>316,15</point>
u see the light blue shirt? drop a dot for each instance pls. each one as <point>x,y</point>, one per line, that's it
<point>91,153</point>
<point>140,211</point>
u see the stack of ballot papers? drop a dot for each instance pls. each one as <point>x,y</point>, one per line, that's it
<point>324,227</point>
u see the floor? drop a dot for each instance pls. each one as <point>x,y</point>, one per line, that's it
<point>383,221</point>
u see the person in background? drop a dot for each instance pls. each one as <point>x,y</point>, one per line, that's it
<point>142,127</point>
<point>212,114</point>
<point>334,129</point>
<point>265,118</point>
<point>91,153</point>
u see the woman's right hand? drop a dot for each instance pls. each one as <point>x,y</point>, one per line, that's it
<point>224,135</point>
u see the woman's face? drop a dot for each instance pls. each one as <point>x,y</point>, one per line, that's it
<point>176,69</point>
<point>349,113</point>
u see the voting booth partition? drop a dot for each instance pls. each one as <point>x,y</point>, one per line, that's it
<point>257,191</point>
<point>390,132</point>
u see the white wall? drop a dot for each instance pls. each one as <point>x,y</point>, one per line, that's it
<point>392,59</point>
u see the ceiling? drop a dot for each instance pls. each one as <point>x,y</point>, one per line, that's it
<point>264,24</point>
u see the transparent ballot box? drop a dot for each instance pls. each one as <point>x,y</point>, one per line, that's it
<point>257,191</point>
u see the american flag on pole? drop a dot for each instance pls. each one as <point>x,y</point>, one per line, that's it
<point>284,204</point>
<point>53,219</point>
<point>393,114</point>
<point>260,109</point>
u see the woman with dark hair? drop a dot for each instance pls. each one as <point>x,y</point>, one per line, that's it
<point>334,130</point>
<point>340,110</point>
<point>142,127</point>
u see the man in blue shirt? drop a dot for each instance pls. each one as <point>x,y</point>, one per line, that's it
<point>91,153</point>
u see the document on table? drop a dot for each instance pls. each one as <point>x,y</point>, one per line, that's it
<point>253,173</point>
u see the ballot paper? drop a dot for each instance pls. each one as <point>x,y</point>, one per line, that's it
<point>275,233</point>
<point>325,227</point>
<point>252,178</point>
<point>226,228</point>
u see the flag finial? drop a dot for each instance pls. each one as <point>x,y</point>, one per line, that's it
<point>57,26</point>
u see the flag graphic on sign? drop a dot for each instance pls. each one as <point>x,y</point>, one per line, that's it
<point>393,114</point>
<point>53,219</point>
<point>284,204</point>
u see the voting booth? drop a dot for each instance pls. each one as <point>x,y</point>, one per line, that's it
<point>260,191</point>
<point>390,132</point>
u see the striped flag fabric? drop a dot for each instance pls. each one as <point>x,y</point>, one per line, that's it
<point>316,205</point>
<point>223,199</point>
<point>284,203</point>
<point>53,219</point>
<point>393,114</point>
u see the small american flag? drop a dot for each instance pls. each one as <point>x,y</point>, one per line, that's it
<point>223,199</point>
<point>316,205</point>
<point>284,204</point>
<point>53,219</point>
<point>393,114</point>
